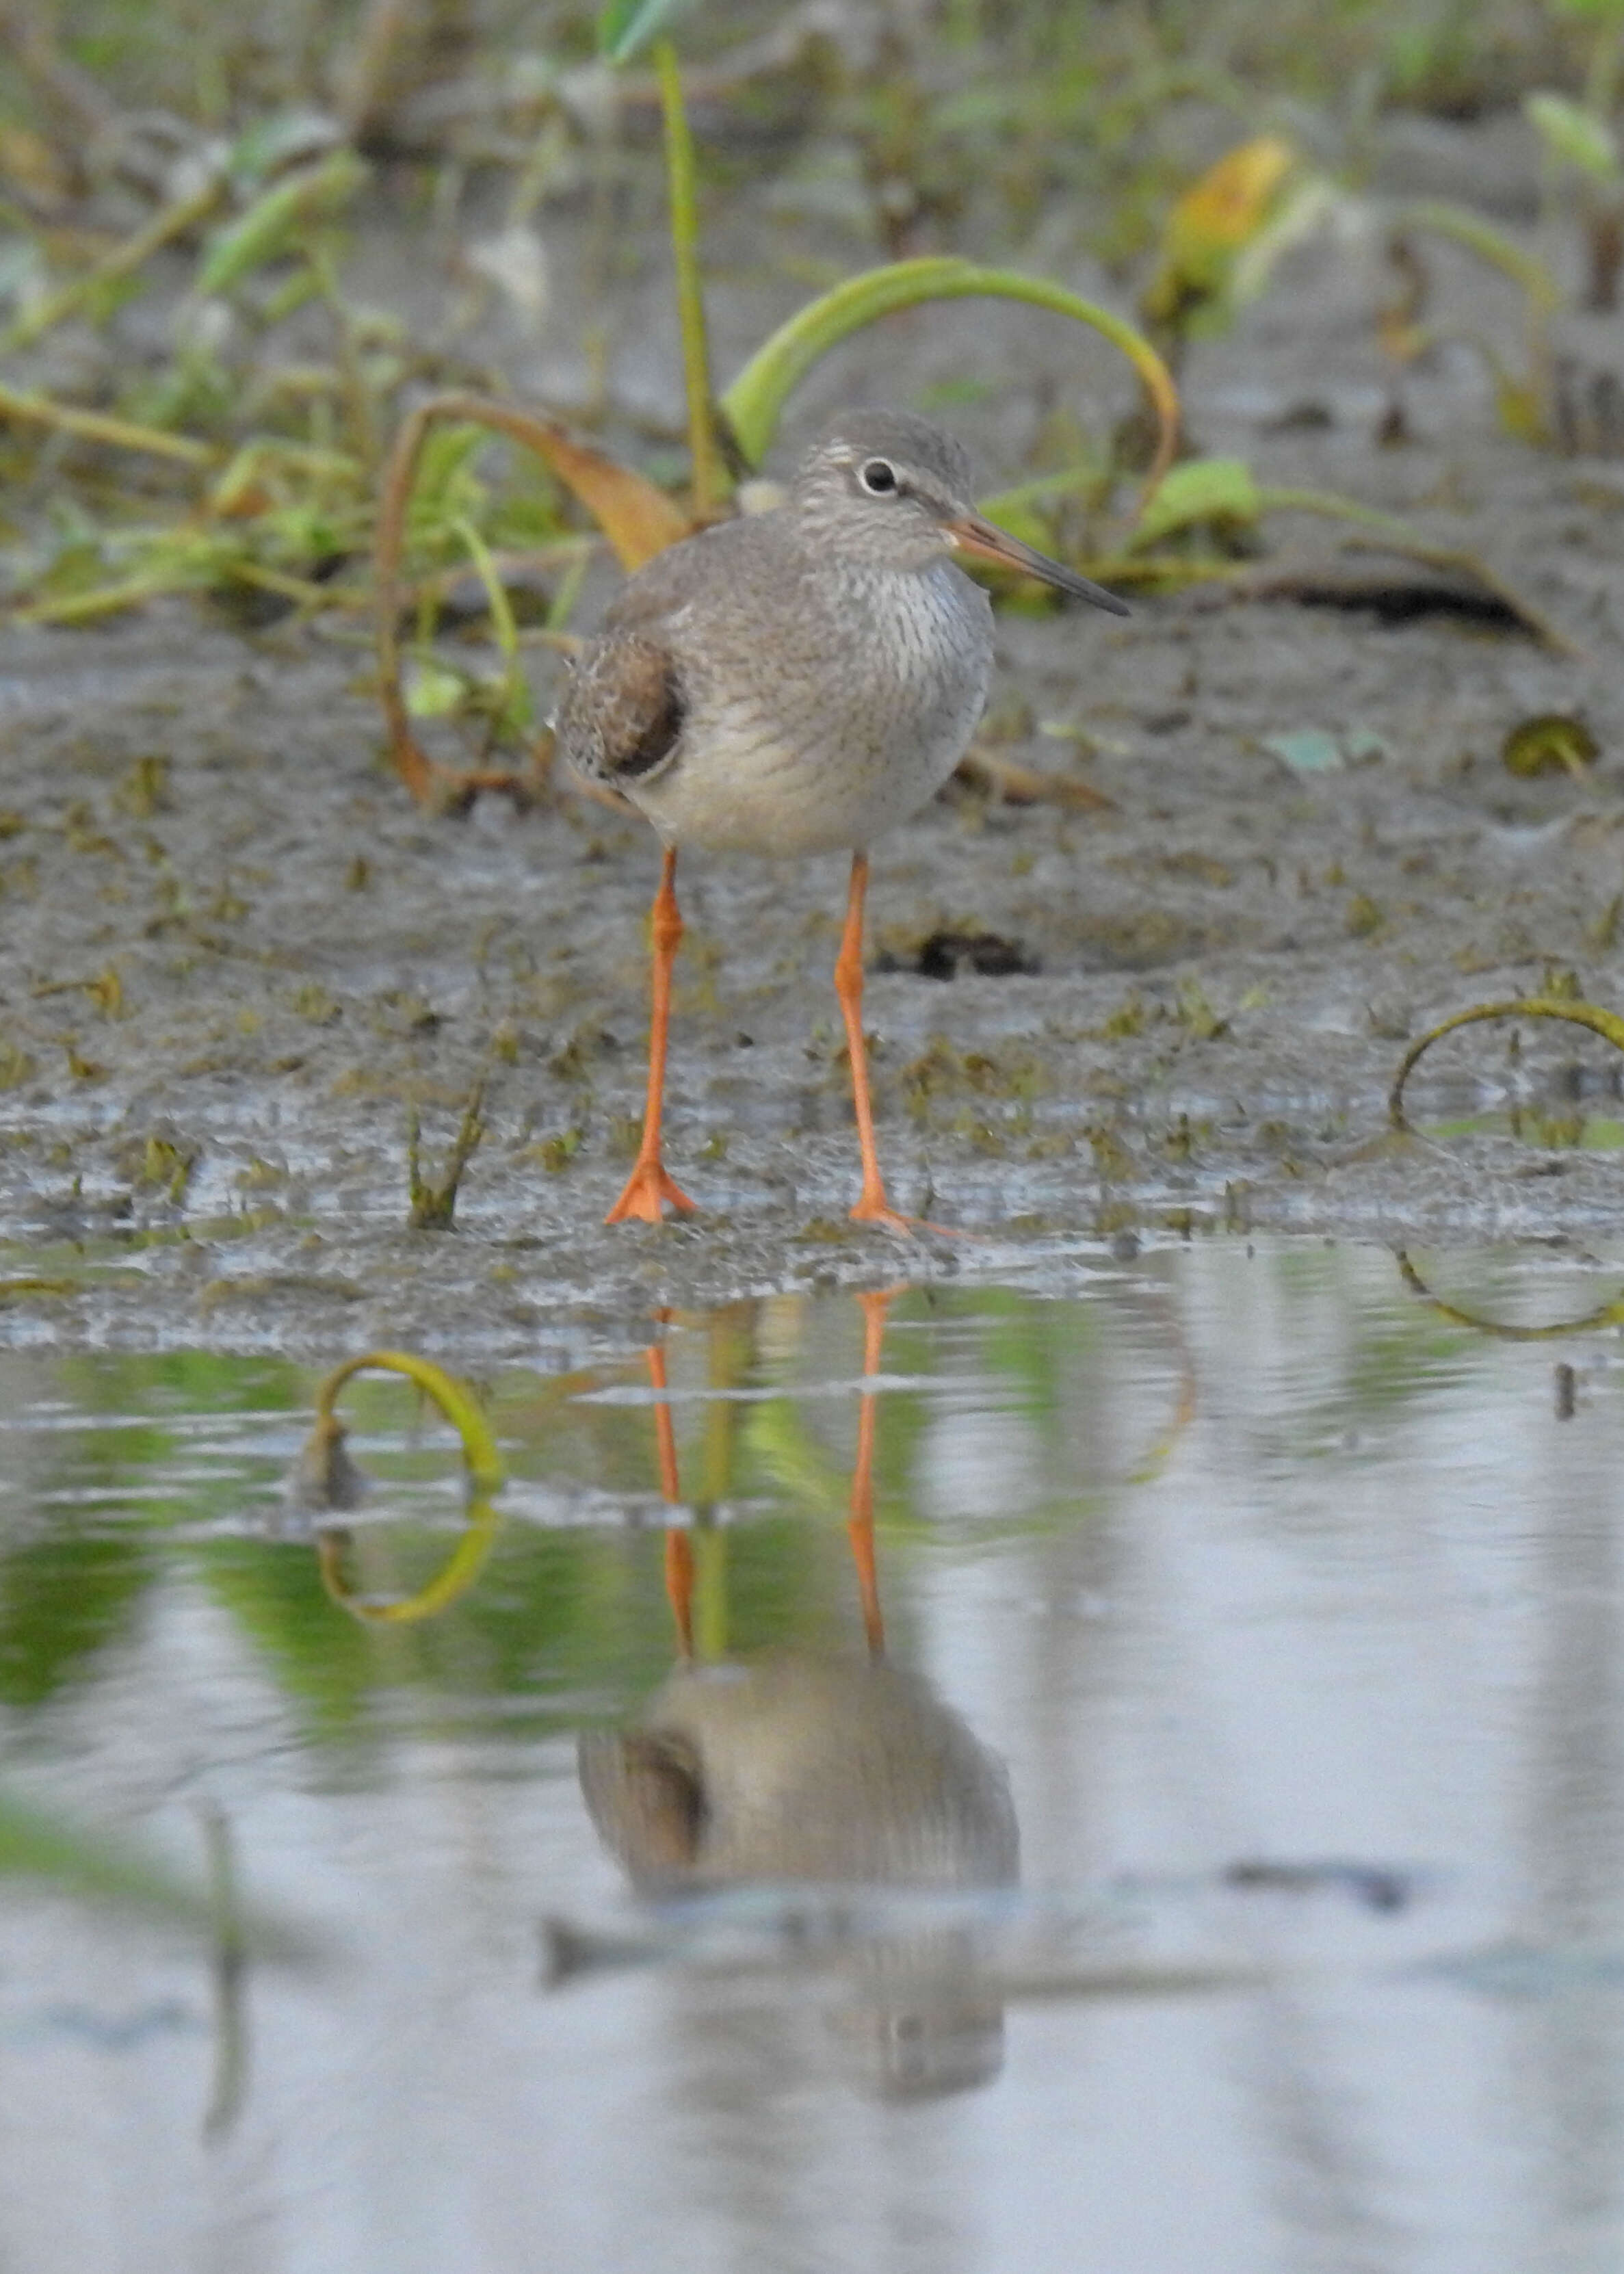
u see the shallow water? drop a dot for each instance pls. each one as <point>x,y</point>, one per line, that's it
<point>1290,1600</point>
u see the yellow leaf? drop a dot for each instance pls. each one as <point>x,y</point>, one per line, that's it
<point>1520,410</point>
<point>1212,224</point>
<point>1233,199</point>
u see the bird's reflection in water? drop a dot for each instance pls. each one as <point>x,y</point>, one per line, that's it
<point>796,1769</point>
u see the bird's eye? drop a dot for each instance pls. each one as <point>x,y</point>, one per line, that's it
<point>878,478</point>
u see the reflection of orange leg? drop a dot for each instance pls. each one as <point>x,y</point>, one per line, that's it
<point>678,1548</point>
<point>860,1530</point>
<point>649,1188</point>
<point>872,1206</point>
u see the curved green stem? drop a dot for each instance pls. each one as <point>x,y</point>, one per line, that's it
<point>751,405</point>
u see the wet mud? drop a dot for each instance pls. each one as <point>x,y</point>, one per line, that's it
<point>235,962</point>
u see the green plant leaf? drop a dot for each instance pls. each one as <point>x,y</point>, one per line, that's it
<point>779,1438</point>
<point>1201,490</point>
<point>275,222</point>
<point>278,139</point>
<point>625,26</point>
<point>1572,136</point>
<point>431,691</point>
<point>753,402</point>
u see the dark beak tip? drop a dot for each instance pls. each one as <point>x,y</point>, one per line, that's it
<point>984,540</point>
<point>1083,588</point>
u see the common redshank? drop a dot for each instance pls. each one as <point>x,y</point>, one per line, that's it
<point>796,681</point>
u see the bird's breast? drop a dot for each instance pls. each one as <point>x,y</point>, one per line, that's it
<point>832,725</point>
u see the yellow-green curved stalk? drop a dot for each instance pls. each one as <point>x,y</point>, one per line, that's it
<point>1607,1024</point>
<point>480,1457</point>
<point>751,405</point>
<point>484,1467</point>
<point>95,427</point>
<point>1604,1314</point>
<point>1610,1027</point>
<point>710,1592</point>
<point>1185,1408</point>
<point>461,1567</point>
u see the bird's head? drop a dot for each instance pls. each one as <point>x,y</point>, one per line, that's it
<point>886,490</point>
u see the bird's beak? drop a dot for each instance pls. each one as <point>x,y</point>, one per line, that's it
<point>982,541</point>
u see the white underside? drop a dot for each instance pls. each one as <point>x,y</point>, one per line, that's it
<point>833,749</point>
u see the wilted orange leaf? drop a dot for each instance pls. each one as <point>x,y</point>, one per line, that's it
<point>638,520</point>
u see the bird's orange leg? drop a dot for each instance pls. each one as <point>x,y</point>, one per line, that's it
<point>678,1545</point>
<point>649,1188</point>
<point>860,1527</point>
<point>872,1205</point>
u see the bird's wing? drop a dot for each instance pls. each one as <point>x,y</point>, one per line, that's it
<point>624,711</point>
<point>686,578</point>
<point>627,701</point>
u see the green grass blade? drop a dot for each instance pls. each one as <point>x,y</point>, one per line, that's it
<point>502,625</point>
<point>625,26</point>
<point>277,223</point>
<point>38,1845</point>
<point>1572,136</point>
<point>683,179</point>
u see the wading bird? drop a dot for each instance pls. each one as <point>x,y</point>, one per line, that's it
<point>798,682</point>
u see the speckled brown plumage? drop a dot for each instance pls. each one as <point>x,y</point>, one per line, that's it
<point>630,692</point>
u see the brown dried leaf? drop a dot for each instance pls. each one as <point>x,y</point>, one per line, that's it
<point>1014,785</point>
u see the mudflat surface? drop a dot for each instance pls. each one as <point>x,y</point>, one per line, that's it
<point>234,959</point>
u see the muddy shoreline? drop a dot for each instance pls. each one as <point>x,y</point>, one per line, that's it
<point>233,959</point>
